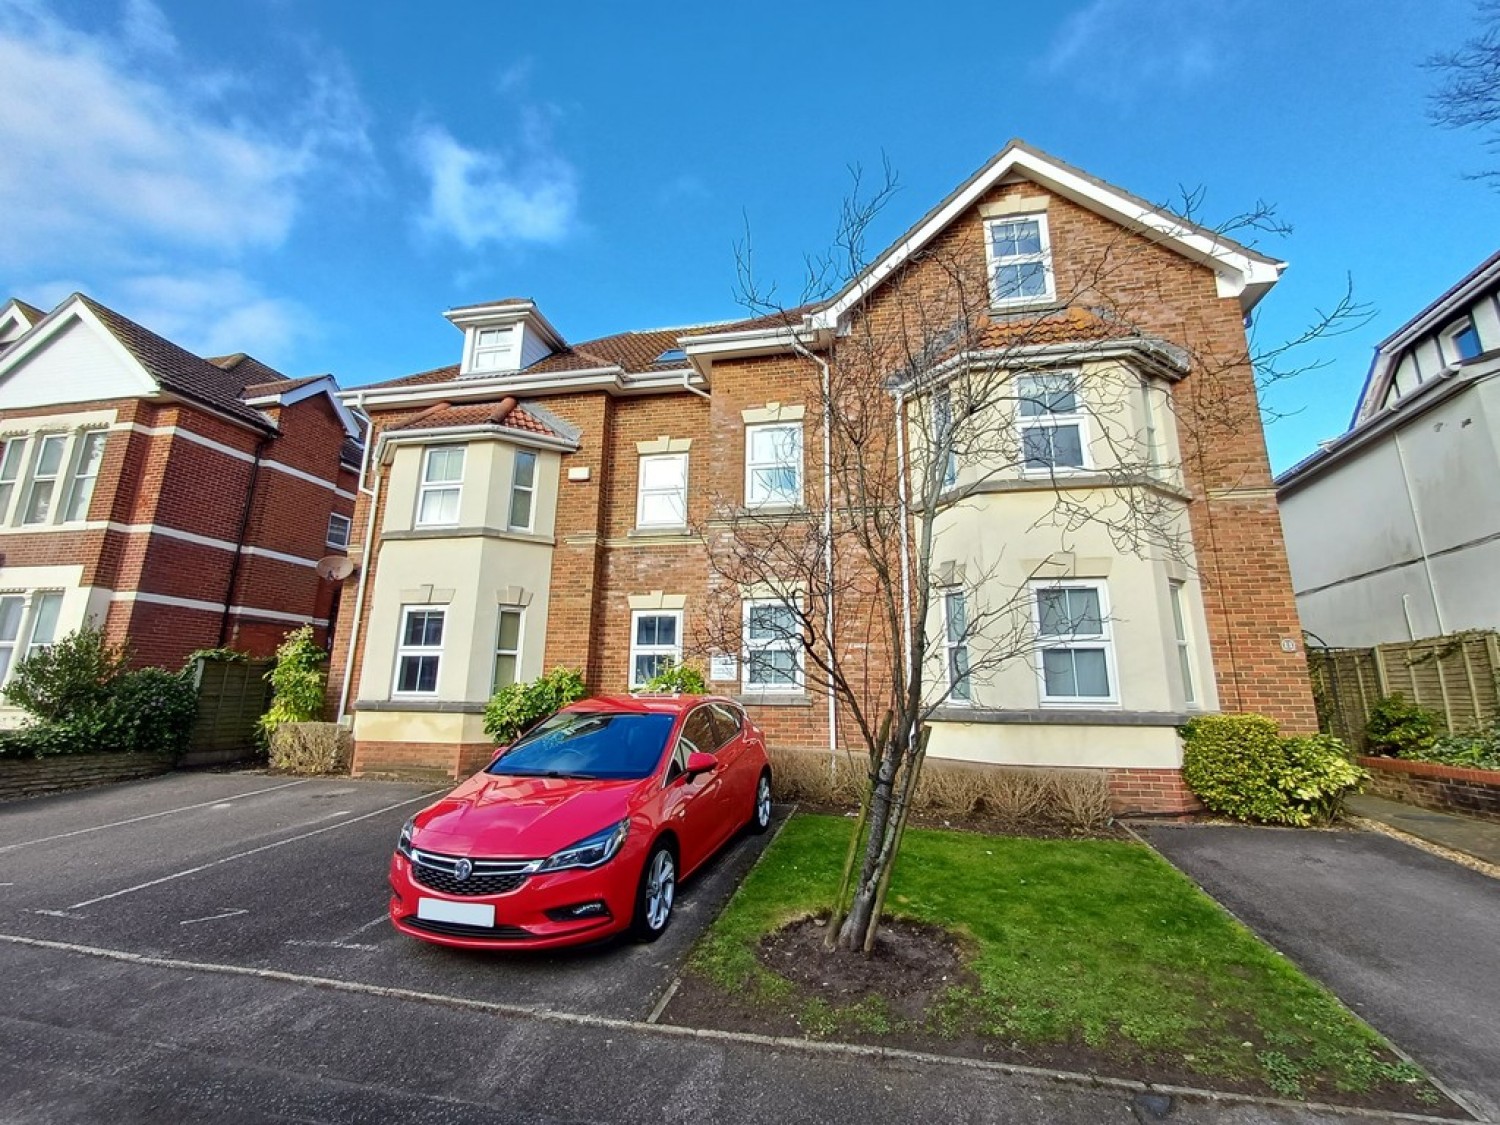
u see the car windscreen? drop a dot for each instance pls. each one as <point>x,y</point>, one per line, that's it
<point>612,745</point>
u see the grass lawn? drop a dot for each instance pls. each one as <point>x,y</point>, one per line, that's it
<point>1089,952</point>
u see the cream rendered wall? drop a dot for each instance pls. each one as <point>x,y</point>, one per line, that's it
<point>1025,744</point>
<point>471,572</point>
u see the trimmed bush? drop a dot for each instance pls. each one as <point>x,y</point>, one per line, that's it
<point>682,678</point>
<point>1239,765</point>
<point>1399,727</point>
<point>296,680</point>
<point>514,708</point>
<point>310,748</point>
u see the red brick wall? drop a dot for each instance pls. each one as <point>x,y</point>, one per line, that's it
<point>1433,786</point>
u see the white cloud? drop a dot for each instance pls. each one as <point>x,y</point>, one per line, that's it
<point>1124,48</point>
<point>114,142</point>
<point>524,194</point>
<point>213,312</point>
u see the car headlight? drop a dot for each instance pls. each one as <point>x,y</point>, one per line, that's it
<point>591,851</point>
<point>404,844</point>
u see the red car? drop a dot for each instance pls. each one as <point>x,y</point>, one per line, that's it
<point>584,826</point>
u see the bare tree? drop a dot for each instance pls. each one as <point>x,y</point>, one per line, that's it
<point>1469,96</point>
<point>868,583</point>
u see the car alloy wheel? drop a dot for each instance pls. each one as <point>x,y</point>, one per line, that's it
<point>657,894</point>
<point>760,818</point>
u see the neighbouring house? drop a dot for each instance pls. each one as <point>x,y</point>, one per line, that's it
<point>1393,528</point>
<point>180,502</point>
<point>540,502</point>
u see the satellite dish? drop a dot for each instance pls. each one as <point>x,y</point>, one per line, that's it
<point>335,568</point>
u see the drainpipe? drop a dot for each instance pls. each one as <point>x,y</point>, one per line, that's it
<point>239,539</point>
<point>364,561</point>
<point>1416,519</point>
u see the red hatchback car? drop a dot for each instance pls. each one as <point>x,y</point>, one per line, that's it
<point>584,826</point>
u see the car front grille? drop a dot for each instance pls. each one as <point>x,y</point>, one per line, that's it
<point>488,876</point>
<point>459,929</point>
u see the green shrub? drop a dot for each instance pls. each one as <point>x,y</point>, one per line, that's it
<point>83,701</point>
<point>516,707</point>
<point>296,680</point>
<point>68,679</point>
<point>1398,726</point>
<point>1239,765</point>
<point>1478,750</point>
<point>151,711</point>
<point>683,678</point>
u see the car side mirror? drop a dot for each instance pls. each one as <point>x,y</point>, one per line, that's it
<point>699,762</point>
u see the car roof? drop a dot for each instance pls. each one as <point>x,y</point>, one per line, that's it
<point>646,704</point>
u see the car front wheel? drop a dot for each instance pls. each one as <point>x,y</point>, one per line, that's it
<point>760,816</point>
<point>657,893</point>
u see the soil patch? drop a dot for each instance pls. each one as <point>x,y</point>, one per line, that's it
<point>912,964</point>
<point>986,825</point>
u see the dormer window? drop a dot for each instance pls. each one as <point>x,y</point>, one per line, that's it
<point>494,349</point>
<point>1461,342</point>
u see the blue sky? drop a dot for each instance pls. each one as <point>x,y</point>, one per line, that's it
<point>314,183</point>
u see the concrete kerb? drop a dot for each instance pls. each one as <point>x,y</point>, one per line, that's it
<point>776,1042</point>
<point>1395,1049</point>
<point>676,982</point>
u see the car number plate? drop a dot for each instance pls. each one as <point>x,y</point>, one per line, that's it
<point>464,913</point>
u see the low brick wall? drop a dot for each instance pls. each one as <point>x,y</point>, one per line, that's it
<point>419,759</point>
<point>35,776</point>
<point>1433,786</point>
<point>1150,792</point>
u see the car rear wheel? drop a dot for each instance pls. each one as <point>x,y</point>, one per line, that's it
<point>760,816</point>
<point>657,893</point>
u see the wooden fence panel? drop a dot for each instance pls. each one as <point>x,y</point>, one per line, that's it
<point>232,696</point>
<point>1457,677</point>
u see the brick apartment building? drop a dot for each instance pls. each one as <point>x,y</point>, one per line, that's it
<point>181,502</point>
<point>541,503</point>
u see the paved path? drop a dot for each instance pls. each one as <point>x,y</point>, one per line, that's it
<point>1410,941</point>
<point>1466,834</point>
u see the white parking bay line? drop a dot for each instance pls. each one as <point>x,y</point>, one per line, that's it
<point>212,917</point>
<point>254,851</point>
<point>217,801</point>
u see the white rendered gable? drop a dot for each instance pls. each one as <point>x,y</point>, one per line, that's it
<point>78,361</point>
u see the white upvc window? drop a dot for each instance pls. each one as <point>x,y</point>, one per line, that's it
<point>419,652</point>
<point>956,644</point>
<point>12,609</point>
<point>1461,342</point>
<point>773,464</point>
<point>46,608</point>
<point>1075,657</point>
<point>492,349</point>
<point>773,646</point>
<point>942,434</point>
<point>508,647</point>
<point>661,495</point>
<point>523,490</point>
<point>655,643</point>
<point>441,486</point>
<point>339,528</point>
<point>90,455</point>
<point>44,478</point>
<point>1019,251</point>
<point>11,462</point>
<point>1183,639</point>
<point>1053,428</point>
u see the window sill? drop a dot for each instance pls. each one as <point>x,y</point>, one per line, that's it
<point>796,509</point>
<point>774,699</point>
<point>1049,303</point>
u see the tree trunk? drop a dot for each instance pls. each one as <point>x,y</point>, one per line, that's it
<point>861,914</point>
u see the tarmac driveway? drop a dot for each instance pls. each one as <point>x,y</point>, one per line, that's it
<point>290,875</point>
<point>1408,940</point>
